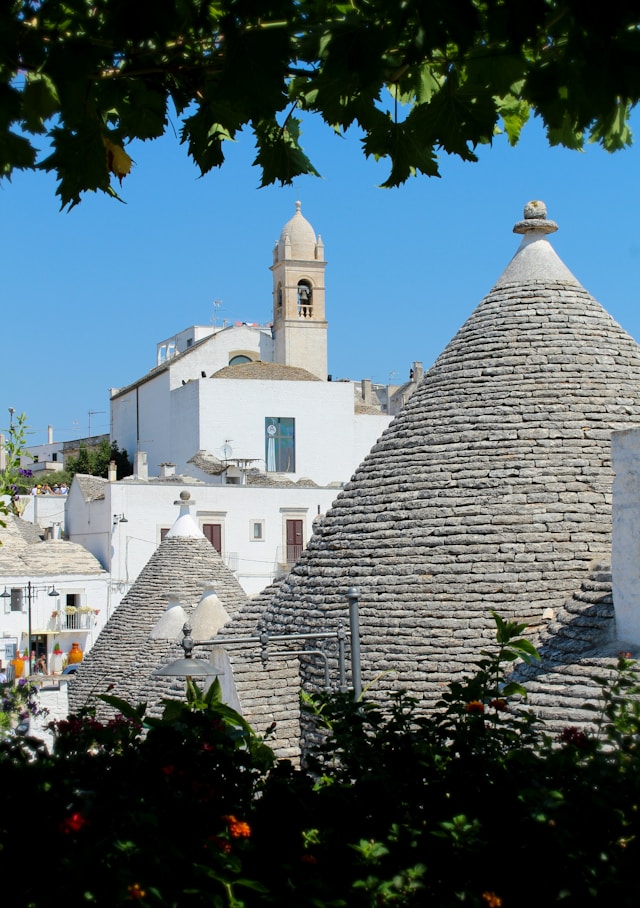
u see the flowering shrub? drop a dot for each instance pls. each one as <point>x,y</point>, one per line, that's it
<point>18,705</point>
<point>473,806</point>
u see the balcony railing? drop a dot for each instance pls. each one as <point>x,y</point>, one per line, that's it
<point>288,554</point>
<point>74,621</point>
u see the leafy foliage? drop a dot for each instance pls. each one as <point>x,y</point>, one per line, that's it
<point>14,479</point>
<point>474,805</point>
<point>94,460</point>
<point>417,77</point>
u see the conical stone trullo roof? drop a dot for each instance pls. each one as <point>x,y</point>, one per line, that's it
<point>124,656</point>
<point>491,490</point>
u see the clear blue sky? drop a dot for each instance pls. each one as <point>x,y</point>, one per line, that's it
<point>86,295</point>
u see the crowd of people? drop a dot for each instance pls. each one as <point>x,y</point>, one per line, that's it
<point>45,489</point>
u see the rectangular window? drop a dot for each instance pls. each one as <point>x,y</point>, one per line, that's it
<point>17,600</point>
<point>257,530</point>
<point>280,444</point>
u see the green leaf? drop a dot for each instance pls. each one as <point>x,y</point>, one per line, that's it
<point>279,153</point>
<point>514,114</point>
<point>40,101</point>
<point>612,130</point>
<point>136,713</point>
<point>142,111</point>
<point>566,134</point>
<point>525,649</point>
<point>80,161</point>
<point>16,153</point>
<point>513,689</point>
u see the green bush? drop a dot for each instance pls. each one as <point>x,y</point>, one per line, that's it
<point>472,806</point>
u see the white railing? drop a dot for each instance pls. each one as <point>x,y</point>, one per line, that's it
<point>74,621</point>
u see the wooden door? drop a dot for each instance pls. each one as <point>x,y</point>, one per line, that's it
<point>213,532</point>
<point>295,542</point>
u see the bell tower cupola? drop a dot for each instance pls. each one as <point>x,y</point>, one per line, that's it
<point>299,324</point>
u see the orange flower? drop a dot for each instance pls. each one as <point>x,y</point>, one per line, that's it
<point>136,891</point>
<point>474,706</point>
<point>238,829</point>
<point>492,900</point>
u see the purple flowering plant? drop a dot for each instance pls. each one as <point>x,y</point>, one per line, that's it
<point>18,704</point>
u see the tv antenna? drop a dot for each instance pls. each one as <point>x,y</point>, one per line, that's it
<point>217,304</point>
<point>93,413</point>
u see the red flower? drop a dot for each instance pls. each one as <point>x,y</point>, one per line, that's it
<point>222,844</point>
<point>574,737</point>
<point>74,823</point>
<point>499,705</point>
<point>309,859</point>
<point>474,706</point>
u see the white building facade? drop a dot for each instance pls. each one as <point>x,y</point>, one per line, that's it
<point>258,531</point>
<point>192,400</point>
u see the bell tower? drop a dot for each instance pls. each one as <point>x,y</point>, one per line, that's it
<point>299,324</point>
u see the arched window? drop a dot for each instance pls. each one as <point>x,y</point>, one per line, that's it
<point>305,301</point>
<point>239,360</point>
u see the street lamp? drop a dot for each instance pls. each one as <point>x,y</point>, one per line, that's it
<point>188,666</point>
<point>31,590</point>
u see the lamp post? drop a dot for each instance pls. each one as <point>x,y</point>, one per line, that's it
<point>31,591</point>
<point>188,666</point>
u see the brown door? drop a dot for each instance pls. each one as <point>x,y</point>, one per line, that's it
<point>213,532</point>
<point>294,540</point>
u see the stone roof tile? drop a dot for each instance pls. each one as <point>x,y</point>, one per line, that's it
<point>491,490</point>
<point>259,371</point>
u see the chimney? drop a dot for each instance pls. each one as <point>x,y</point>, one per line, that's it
<point>112,473</point>
<point>140,466</point>
<point>50,435</point>
<point>167,469</point>
<point>418,372</point>
<point>625,565</point>
<point>366,390</point>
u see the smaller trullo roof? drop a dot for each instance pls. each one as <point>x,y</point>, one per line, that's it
<point>123,657</point>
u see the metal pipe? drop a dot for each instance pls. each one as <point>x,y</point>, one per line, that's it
<point>341,659</point>
<point>354,623</point>
<point>265,639</point>
<point>29,628</point>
